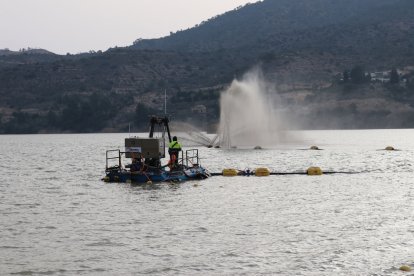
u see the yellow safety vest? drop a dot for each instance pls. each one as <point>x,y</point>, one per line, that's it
<point>174,145</point>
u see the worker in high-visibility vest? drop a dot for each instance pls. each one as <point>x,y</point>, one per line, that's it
<point>173,149</point>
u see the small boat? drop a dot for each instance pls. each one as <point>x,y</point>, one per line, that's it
<point>146,154</point>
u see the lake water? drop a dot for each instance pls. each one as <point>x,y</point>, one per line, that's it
<point>58,218</point>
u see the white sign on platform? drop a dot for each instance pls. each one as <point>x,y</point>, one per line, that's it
<point>133,149</point>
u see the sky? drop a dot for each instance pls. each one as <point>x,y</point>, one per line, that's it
<point>75,26</point>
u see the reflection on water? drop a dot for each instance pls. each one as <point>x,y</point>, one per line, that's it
<point>57,217</point>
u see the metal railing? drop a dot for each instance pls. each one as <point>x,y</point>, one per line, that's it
<point>191,157</point>
<point>118,156</point>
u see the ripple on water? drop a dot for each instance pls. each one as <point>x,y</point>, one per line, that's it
<point>58,218</point>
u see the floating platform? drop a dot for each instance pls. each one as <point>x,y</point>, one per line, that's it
<point>184,174</point>
<point>146,154</point>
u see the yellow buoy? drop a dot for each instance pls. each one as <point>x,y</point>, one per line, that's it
<point>106,179</point>
<point>230,172</point>
<point>405,268</point>
<point>389,148</point>
<point>116,178</point>
<point>314,148</point>
<point>314,171</point>
<point>149,182</point>
<point>262,172</point>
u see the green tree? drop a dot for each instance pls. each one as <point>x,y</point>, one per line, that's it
<point>142,113</point>
<point>358,74</point>
<point>394,77</point>
<point>346,76</point>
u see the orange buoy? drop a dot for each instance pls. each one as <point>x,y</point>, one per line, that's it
<point>314,171</point>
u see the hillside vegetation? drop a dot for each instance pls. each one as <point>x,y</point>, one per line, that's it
<point>304,47</point>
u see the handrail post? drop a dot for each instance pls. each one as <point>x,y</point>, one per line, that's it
<point>106,157</point>
<point>119,158</point>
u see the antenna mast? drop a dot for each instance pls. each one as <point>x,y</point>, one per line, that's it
<point>165,102</point>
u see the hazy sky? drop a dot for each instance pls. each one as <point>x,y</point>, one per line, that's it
<point>75,26</point>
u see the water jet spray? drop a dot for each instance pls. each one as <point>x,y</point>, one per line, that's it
<point>247,116</point>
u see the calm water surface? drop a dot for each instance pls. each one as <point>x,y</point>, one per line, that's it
<point>58,218</point>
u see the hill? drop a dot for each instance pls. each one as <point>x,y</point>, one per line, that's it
<point>304,47</point>
<point>378,34</point>
<point>261,23</point>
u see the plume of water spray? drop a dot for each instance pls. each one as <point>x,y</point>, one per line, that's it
<point>247,116</point>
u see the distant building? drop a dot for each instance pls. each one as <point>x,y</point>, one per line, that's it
<point>380,76</point>
<point>201,109</point>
